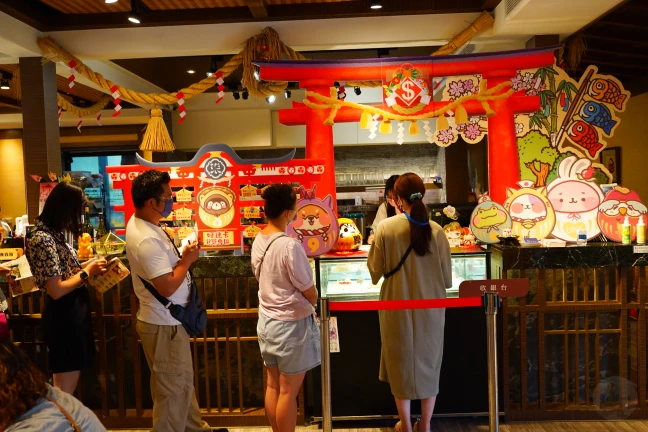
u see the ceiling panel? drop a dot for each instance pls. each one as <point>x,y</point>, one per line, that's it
<point>87,6</point>
<point>191,4</point>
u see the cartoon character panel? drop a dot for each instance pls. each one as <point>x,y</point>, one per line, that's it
<point>218,193</point>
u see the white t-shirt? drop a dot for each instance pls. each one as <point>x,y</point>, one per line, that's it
<point>151,254</point>
<point>285,273</point>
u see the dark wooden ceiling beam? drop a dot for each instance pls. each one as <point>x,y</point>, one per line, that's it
<point>42,18</point>
<point>11,103</point>
<point>257,8</point>
<point>490,4</point>
<point>618,54</point>
<point>625,43</point>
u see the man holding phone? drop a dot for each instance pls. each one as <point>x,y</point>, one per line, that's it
<point>154,258</point>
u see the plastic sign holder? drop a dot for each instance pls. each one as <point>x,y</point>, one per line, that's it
<point>492,292</point>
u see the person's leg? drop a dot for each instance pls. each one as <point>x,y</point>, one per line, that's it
<point>195,423</point>
<point>403,406</point>
<point>289,386</point>
<point>427,409</point>
<point>67,381</point>
<point>272,396</point>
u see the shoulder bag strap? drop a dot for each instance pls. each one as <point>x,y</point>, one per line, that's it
<point>67,415</point>
<point>400,264</point>
<point>267,249</point>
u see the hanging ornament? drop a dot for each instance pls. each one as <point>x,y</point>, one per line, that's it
<point>79,123</point>
<point>221,86</point>
<point>400,138</point>
<point>442,123</point>
<point>374,126</point>
<point>413,128</point>
<point>461,116</point>
<point>385,127</point>
<point>341,92</point>
<point>181,107</point>
<point>99,119</point>
<point>365,120</point>
<point>72,64</point>
<point>428,131</point>
<point>116,100</point>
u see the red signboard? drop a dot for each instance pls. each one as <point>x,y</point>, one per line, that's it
<point>503,287</point>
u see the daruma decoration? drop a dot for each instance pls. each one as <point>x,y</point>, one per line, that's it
<point>619,203</point>
<point>530,211</point>
<point>575,197</point>
<point>350,238</point>
<point>488,220</point>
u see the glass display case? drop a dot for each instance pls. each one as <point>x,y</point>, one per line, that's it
<point>346,277</point>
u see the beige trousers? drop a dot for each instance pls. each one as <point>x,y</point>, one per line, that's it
<point>168,353</point>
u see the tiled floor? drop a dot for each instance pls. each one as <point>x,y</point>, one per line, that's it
<point>482,426</point>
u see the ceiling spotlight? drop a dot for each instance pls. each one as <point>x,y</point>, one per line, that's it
<point>212,68</point>
<point>237,95</point>
<point>111,1</point>
<point>287,93</point>
<point>357,90</point>
<point>375,4</point>
<point>191,71</point>
<point>270,99</point>
<point>134,15</point>
<point>4,84</point>
<point>245,95</point>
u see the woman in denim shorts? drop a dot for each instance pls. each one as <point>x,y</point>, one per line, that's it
<point>289,336</point>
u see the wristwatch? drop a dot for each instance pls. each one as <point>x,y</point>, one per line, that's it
<point>84,275</point>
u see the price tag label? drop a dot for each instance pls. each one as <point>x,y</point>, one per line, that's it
<point>640,249</point>
<point>218,238</point>
<point>116,196</point>
<point>93,193</point>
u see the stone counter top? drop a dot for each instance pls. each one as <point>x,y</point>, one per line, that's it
<point>589,256</point>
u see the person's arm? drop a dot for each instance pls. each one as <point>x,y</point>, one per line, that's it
<point>57,288</point>
<point>4,269</point>
<point>169,282</point>
<point>300,271</point>
<point>443,249</point>
<point>376,260</point>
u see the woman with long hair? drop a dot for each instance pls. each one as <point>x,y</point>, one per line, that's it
<point>30,404</point>
<point>387,209</point>
<point>66,319</point>
<point>289,336</point>
<point>412,254</point>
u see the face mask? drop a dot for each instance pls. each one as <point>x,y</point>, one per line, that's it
<point>168,208</point>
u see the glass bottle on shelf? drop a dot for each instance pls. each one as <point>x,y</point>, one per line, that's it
<point>101,229</point>
<point>87,226</point>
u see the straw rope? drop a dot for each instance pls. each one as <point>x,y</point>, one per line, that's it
<point>334,105</point>
<point>68,106</point>
<point>276,50</point>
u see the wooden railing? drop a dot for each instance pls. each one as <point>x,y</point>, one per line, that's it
<point>229,372</point>
<point>575,346</point>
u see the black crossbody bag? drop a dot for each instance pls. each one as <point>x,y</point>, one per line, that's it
<point>193,316</point>
<point>400,264</point>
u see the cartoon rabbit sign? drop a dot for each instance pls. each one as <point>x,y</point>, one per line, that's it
<point>575,197</point>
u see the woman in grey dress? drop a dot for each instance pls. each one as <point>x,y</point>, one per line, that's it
<point>412,340</point>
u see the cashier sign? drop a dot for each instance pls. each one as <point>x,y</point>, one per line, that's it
<point>518,287</point>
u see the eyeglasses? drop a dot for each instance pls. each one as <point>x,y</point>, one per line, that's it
<point>163,198</point>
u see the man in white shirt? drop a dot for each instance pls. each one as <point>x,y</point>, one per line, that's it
<point>153,257</point>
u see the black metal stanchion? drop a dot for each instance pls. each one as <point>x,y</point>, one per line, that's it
<point>327,425</point>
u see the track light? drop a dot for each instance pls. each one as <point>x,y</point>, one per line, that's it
<point>236,95</point>
<point>375,4</point>
<point>4,83</point>
<point>134,15</point>
<point>357,90</point>
<point>191,71</point>
<point>111,1</point>
<point>212,68</point>
<point>245,95</point>
<point>270,99</point>
<point>287,93</point>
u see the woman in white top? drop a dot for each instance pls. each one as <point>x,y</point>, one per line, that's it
<point>289,336</point>
<point>387,209</point>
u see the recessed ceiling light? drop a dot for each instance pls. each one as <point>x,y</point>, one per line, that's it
<point>271,99</point>
<point>4,84</point>
<point>191,71</point>
<point>375,4</point>
<point>111,1</point>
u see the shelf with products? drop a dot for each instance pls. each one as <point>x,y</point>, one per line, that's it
<point>369,188</point>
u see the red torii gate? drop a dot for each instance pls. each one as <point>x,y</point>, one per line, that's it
<point>318,76</point>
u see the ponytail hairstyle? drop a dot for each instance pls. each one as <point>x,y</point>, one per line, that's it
<point>410,188</point>
<point>389,189</point>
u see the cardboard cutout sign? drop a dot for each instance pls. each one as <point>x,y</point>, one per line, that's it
<point>489,220</point>
<point>214,189</point>
<point>316,226</point>
<point>531,212</point>
<point>618,203</point>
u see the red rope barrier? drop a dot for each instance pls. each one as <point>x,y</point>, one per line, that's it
<point>404,304</point>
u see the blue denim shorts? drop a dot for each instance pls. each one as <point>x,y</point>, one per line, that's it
<point>292,346</point>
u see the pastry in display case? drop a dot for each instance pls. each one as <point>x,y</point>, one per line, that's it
<point>346,276</point>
